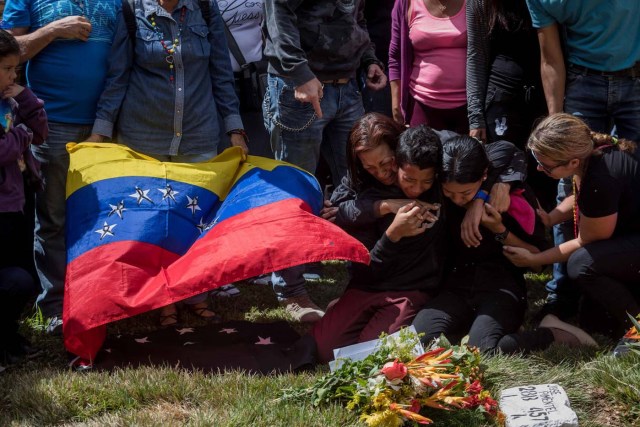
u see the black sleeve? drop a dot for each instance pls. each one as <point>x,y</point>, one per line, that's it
<point>508,164</point>
<point>353,209</point>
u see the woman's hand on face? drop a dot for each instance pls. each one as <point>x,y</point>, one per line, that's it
<point>491,219</point>
<point>409,221</point>
<point>499,196</point>
<point>329,212</point>
<point>238,141</point>
<point>520,257</point>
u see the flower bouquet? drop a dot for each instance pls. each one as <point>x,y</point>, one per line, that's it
<point>392,385</point>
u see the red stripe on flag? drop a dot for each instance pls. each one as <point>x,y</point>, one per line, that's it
<point>123,279</point>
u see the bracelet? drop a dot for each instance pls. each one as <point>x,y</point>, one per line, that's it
<point>240,132</point>
<point>501,237</point>
<point>481,194</point>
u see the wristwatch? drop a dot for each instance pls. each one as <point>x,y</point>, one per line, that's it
<point>501,237</point>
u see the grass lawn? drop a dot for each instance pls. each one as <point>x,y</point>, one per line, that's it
<point>603,391</point>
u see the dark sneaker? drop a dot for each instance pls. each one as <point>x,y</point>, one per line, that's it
<point>622,347</point>
<point>54,327</point>
<point>225,291</point>
<point>302,309</point>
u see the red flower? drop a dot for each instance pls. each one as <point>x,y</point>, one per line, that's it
<point>490,405</point>
<point>394,370</point>
<point>415,406</point>
<point>471,401</point>
<point>473,388</point>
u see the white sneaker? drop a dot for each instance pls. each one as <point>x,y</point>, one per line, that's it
<point>570,335</point>
<point>264,280</point>
<point>302,309</point>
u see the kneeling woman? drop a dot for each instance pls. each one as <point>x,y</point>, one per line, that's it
<point>604,258</point>
<point>483,295</point>
<point>405,246</point>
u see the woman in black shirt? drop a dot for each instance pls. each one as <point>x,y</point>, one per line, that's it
<point>604,258</point>
<point>484,295</point>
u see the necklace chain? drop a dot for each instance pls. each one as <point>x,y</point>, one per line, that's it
<point>576,212</point>
<point>170,50</point>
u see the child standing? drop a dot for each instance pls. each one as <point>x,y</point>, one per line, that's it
<point>23,122</point>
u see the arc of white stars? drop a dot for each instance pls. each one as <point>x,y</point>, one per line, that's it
<point>106,230</point>
<point>117,209</point>
<point>168,192</point>
<point>141,195</point>
<point>193,204</point>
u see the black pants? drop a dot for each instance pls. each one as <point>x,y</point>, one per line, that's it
<point>608,272</point>
<point>488,303</point>
<point>16,287</point>
<point>512,107</point>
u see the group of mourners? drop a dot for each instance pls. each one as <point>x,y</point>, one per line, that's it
<point>431,118</point>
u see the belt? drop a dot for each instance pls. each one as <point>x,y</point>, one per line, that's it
<point>336,81</point>
<point>632,72</point>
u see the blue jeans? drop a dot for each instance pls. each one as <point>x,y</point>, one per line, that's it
<point>49,244</point>
<point>189,158</point>
<point>602,102</point>
<point>298,137</point>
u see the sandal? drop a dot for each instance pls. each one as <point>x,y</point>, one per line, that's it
<point>170,318</point>
<point>203,311</point>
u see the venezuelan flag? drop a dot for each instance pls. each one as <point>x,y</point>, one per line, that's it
<point>142,234</point>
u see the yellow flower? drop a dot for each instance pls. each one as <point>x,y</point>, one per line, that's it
<point>384,418</point>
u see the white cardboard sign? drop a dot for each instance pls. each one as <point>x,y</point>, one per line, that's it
<point>545,405</point>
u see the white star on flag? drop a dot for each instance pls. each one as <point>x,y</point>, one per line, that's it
<point>201,226</point>
<point>144,340</point>
<point>117,209</point>
<point>106,230</point>
<point>184,331</point>
<point>168,192</point>
<point>228,331</point>
<point>193,204</point>
<point>264,341</point>
<point>141,195</point>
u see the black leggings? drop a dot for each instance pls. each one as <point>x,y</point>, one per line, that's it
<point>608,272</point>
<point>488,303</point>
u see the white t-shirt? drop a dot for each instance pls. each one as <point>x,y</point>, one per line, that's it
<point>244,17</point>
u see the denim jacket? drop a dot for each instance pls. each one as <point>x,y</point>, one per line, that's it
<point>153,113</point>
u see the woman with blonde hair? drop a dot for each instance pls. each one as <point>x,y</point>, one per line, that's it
<point>603,259</point>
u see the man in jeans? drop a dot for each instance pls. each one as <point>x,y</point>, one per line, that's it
<point>601,86</point>
<point>67,44</point>
<point>314,49</point>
